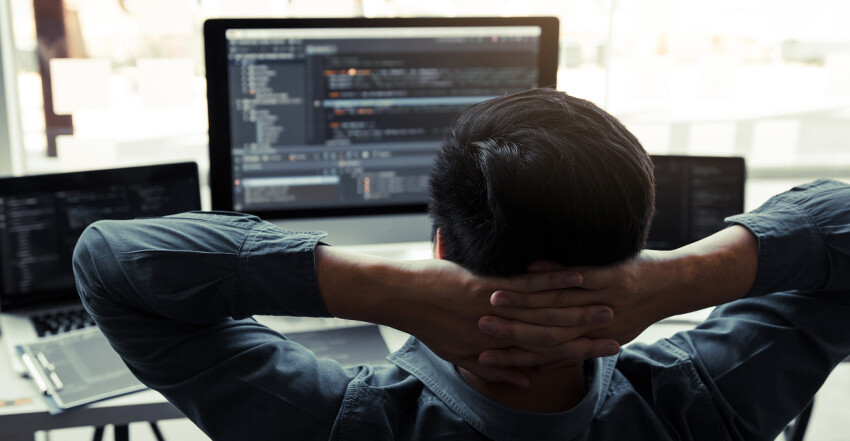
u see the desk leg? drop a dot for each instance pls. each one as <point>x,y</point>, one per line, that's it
<point>122,432</point>
<point>156,432</point>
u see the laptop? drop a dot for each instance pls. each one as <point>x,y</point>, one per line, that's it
<point>41,218</point>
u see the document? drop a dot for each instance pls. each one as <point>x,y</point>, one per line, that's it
<point>76,368</point>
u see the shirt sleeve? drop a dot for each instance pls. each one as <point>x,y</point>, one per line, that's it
<point>764,357</point>
<point>803,238</point>
<point>171,295</point>
<point>200,267</point>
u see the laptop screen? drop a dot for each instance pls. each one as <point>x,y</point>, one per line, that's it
<point>693,194</point>
<point>41,218</point>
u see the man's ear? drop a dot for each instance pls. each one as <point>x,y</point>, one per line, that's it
<point>438,245</point>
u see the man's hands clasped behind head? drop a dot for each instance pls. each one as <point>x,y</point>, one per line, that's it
<point>640,291</point>
<point>451,315</point>
<point>541,323</point>
<point>548,318</point>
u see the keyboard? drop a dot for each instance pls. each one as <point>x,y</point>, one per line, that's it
<point>57,322</point>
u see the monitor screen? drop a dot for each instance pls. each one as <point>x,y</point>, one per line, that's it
<point>42,216</point>
<point>693,194</point>
<point>341,117</point>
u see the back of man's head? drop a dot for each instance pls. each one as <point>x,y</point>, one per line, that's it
<point>540,175</point>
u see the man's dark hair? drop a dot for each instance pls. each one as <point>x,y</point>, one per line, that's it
<point>540,175</point>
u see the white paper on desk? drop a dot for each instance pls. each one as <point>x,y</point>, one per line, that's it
<point>79,84</point>
<point>349,346</point>
<point>85,367</point>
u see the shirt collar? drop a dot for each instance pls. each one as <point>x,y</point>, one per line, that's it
<point>495,420</point>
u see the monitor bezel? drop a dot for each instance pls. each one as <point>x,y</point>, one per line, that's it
<point>215,45</point>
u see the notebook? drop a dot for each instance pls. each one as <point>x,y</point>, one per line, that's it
<point>41,217</point>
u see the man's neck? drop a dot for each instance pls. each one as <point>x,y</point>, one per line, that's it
<point>553,391</point>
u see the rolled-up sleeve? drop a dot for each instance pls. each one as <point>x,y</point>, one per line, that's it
<point>172,296</point>
<point>199,267</point>
<point>803,238</point>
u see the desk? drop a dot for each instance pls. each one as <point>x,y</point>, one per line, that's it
<point>22,421</point>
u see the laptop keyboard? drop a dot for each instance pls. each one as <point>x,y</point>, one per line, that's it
<point>61,321</point>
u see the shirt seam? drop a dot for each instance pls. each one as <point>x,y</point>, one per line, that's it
<point>242,264</point>
<point>685,358</point>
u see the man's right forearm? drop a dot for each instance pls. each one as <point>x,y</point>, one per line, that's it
<point>653,286</point>
<point>715,270</point>
<point>799,240</point>
<point>658,284</point>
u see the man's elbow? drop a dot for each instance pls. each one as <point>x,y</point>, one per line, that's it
<point>90,262</point>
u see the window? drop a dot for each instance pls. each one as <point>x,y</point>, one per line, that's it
<point>768,80</point>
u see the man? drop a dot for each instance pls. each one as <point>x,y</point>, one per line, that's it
<point>531,181</point>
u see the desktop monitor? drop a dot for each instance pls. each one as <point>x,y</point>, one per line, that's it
<point>337,120</point>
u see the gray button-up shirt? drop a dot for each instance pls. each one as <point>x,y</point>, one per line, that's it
<point>174,296</point>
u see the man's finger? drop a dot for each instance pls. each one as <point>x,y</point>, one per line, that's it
<point>575,316</point>
<point>542,281</point>
<point>556,298</point>
<point>569,354</point>
<point>600,277</point>
<point>520,333</point>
